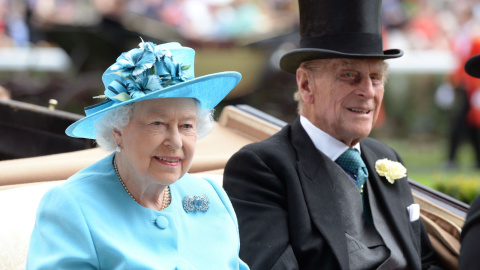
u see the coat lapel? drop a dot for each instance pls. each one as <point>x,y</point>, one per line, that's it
<point>317,173</point>
<point>391,198</point>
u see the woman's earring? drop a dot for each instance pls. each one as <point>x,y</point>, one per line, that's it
<point>118,149</point>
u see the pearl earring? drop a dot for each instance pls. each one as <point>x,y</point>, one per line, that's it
<point>118,149</point>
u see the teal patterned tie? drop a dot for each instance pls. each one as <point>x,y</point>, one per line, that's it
<point>351,161</point>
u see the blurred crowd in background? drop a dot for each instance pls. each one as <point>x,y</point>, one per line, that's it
<point>216,20</point>
<point>416,24</point>
<point>92,33</point>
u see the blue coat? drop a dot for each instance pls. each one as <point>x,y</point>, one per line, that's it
<point>90,222</point>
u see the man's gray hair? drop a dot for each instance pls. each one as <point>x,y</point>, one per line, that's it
<point>119,118</point>
<point>320,64</point>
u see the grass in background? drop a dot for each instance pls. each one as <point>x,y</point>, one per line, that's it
<point>426,162</point>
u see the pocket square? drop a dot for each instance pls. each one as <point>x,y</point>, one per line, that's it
<point>413,212</point>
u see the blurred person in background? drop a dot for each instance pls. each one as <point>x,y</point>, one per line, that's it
<point>466,121</point>
<point>470,235</point>
<point>138,208</point>
<point>14,30</point>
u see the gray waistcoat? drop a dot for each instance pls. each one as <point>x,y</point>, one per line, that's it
<point>369,246</point>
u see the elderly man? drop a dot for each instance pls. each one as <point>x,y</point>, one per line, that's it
<point>320,194</point>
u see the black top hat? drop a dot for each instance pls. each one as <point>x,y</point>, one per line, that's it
<point>338,29</point>
<point>472,66</point>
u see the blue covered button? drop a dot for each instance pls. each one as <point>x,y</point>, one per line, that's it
<point>162,222</point>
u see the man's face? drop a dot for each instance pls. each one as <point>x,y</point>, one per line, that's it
<point>346,97</point>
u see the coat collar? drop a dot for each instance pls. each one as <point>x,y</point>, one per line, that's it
<point>394,198</point>
<point>316,175</point>
<point>385,193</point>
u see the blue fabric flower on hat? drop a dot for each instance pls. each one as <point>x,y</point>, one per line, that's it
<point>169,71</point>
<point>118,90</point>
<point>149,46</point>
<point>145,84</point>
<point>143,70</point>
<point>134,62</point>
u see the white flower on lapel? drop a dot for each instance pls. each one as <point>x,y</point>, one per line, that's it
<point>392,170</point>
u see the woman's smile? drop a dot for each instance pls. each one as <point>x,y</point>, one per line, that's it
<point>168,160</point>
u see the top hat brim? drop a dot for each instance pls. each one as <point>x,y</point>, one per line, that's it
<point>208,90</point>
<point>292,60</point>
<point>472,66</point>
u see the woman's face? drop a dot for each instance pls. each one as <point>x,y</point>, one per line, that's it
<point>159,141</point>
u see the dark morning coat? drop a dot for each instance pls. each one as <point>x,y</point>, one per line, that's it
<point>282,190</point>
<point>469,255</point>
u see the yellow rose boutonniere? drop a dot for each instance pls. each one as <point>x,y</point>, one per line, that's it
<point>392,170</point>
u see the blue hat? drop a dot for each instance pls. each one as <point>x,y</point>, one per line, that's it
<point>154,71</point>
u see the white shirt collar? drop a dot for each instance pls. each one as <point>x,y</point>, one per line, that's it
<point>325,143</point>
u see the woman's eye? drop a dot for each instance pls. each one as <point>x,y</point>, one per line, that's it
<point>187,126</point>
<point>157,123</point>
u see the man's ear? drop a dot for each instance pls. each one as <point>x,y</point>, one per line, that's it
<point>305,85</point>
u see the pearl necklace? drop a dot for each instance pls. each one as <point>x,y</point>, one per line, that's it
<point>166,192</point>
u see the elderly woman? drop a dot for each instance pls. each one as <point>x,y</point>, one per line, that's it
<point>138,208</point>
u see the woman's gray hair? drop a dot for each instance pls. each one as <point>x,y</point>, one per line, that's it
<point>119,118</point>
